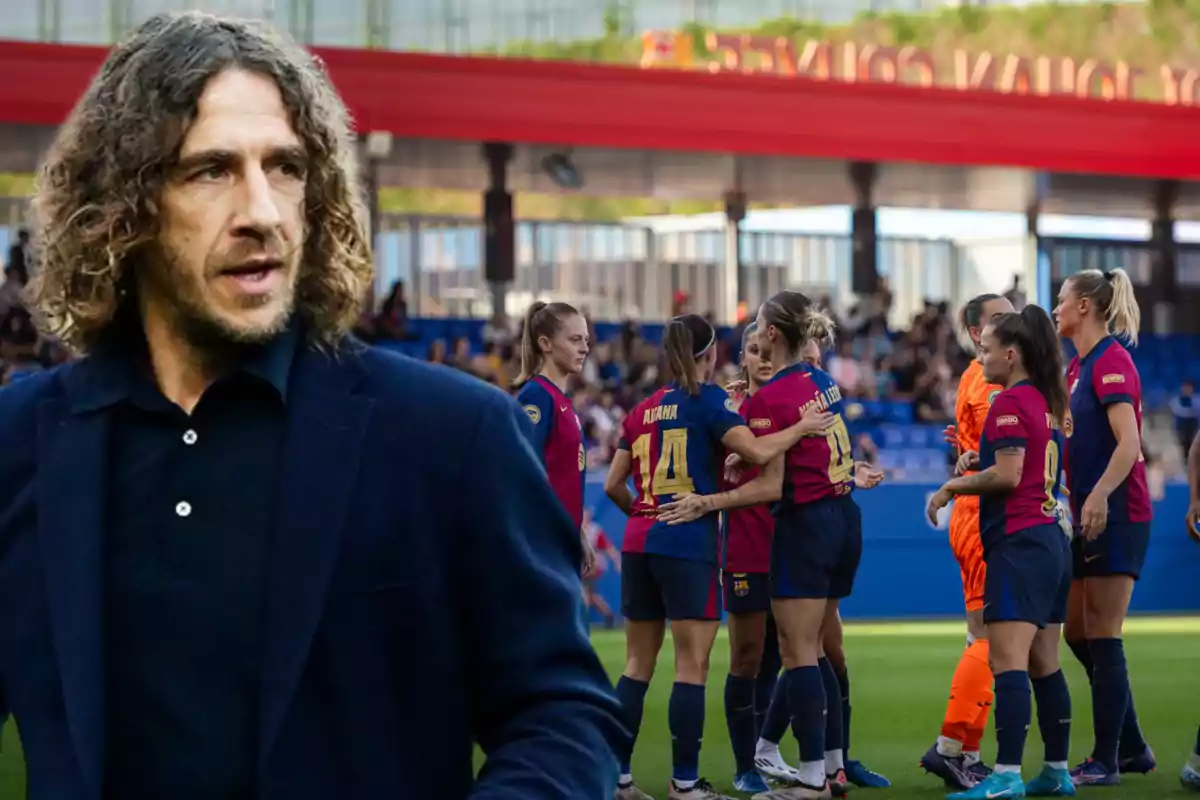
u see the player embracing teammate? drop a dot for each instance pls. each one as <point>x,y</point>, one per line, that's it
<point>817,541</point>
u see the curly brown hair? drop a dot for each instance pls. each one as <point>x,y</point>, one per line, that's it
<point>97,204</point>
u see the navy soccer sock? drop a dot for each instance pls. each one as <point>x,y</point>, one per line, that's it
<point>806,704</point>
<point>775,724</point>
<point>1054,715</point>
<point>1110,698</point>
<point>632,696</point>
<point>685,718</point>
<point>843,676</point>
<point>833,708</point>
<point>768,678</point>
<point>1132,742</point>
<point>739,716</point>
<point>1083,654</point>
<point>1013,712</point>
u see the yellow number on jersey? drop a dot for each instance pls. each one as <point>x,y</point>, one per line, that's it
<point>841,453</point>
<point>1051,477</point>
<point>671,472</point>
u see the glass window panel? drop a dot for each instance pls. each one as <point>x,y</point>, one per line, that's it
<point>340,23</point>
<point>82,21</point>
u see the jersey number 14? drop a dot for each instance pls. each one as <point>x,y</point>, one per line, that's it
<point>670,476</point>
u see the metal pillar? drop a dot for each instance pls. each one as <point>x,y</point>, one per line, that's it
<point>1164,284</point>
<point>499,245</point>
<point>375,149</point>
<point>864,255</point>
<point>734,288</point>
<point>1036,279</point>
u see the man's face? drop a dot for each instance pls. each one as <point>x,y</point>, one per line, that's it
<point>232,218</point>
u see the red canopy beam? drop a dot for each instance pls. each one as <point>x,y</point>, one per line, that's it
<point>589,105</point>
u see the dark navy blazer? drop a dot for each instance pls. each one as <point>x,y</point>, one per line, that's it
<point>422,594</point>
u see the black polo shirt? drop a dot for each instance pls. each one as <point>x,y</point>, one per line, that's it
<point>189,513</point>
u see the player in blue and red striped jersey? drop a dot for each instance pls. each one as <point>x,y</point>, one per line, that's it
<point>1190,775</point>
<point>817,543</point>
<point>554,346</point>
<point>773,720</point>
<point>673,443</point>
<point>754,661</point>
<point>1110,502</point>
<point>1025,548</point>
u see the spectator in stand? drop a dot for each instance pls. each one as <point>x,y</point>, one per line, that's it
<point>392,322</point>
<point>436,354</point>
<point>846,370</point>
<point>1015,294</point>
<point>460,357</point>
<point>15,278</point>
<point>1184,409</point>
<point>19,253</point>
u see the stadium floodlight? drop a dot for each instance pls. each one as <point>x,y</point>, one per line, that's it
<point>562,171</point>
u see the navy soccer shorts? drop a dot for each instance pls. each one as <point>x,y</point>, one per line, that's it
<point>746,592</point>
<point>1119,550</point>
<point>655,587</point>
<point>1028,577</point>
<point>816,549</point>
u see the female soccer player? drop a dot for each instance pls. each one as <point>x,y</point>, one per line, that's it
<point>554,346</point>
<point>1190,776</point>
<point>955,756</point>
<point>672,444</point>
<point>753,642</point>
<point>833,642</point>
<point>773,720</point>
<point>1025,549</point>
<point>1110,503</point>
<point>817,542</point>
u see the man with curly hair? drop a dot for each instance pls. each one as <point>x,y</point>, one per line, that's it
<point>242,556</point>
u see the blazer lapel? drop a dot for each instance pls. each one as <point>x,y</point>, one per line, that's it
<point>322,449</point>
<point>72,450</point>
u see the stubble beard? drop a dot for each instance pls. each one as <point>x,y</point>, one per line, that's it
<point>210,334</point>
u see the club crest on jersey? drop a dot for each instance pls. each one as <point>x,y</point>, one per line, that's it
<point>534,413</point>
<point>992,395</point>
<point>741,586</point>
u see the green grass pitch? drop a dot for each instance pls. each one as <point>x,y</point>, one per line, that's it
<point>900,675</point>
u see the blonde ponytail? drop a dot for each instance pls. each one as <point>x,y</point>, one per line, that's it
<point>1124,316</point>
<point>1113,299</point>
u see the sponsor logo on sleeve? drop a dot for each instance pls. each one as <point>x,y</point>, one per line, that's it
<point>534,413</point>
<point>1112,377</point>
<point>1007,419</point>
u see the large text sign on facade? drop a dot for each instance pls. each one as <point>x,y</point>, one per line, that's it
<point>849,61</point>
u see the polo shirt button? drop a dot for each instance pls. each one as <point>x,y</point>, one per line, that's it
<point>183,509</point>
<point>190,437</point>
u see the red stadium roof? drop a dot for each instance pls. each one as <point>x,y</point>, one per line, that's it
<point>694,134</point>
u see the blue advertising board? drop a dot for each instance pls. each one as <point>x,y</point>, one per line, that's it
<point>908,571</point>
